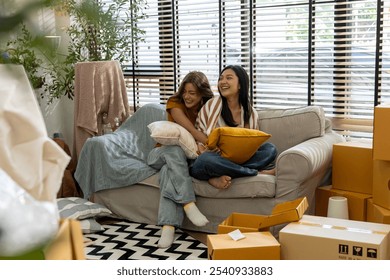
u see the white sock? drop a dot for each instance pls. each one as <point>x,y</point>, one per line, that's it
<point>194,215</point>
<point>167,237</point>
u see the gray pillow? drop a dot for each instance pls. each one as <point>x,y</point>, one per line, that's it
<point>292,126</point>
<point>90,226</point>
<point>79,208</point>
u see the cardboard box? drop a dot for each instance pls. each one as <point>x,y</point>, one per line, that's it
<point>352,167</point>
<point>381,136</point>
<point>255,246</point>
<point>68,243</point>
<point>377,214</point>
<point>357,202</point>
<point>321,238</point>
<point>381,183</point>
<point>282,213</point>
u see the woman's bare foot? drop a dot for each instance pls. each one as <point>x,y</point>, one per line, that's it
<point>222,182</point>
<point>268,171</point>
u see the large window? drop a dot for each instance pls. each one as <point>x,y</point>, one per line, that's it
<point>335,54</point>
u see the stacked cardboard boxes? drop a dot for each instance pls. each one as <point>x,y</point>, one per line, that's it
<point>379,207</point>
<point>361,172</point>
<point>352,177</point>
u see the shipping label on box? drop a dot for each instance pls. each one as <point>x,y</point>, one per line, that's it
<point>254,246</point>
<point>282,213</point>
<point>352,167</point>
<point>322,238</point>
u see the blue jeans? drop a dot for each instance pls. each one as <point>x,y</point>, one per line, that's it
<point>209,165</point>
<point>175,183</point>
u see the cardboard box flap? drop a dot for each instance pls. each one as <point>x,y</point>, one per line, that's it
<point>289,211</point>
<point>285,212</point>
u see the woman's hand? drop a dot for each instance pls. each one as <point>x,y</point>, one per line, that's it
<point>203,148</point>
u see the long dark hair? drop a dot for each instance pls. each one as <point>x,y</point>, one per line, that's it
<point>243,97</point>
<point>200,81</point>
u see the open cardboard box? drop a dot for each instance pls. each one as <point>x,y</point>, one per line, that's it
<point>285,212</point>
<point>255,246</point>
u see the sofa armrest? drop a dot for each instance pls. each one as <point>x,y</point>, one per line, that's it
<point>301,163</point>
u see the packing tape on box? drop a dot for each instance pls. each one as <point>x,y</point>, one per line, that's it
<point>360,230</point>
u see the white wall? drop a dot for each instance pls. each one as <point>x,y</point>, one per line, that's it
<point>58,117</point>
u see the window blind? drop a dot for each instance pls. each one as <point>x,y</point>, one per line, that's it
<point>331,53</point>
<point>384,61</point>
<point>151,76</point>
<point>281,53</point>
<point>343,63</point>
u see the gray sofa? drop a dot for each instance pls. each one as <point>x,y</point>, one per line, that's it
<point>304,139</point>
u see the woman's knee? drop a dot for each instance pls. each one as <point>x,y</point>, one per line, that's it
<point>270,148</point>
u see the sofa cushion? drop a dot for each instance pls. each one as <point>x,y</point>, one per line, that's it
<point>261,185</point>
<point>290,127</point>
<point>235,143</point>
<point>245,187</point>
<point>170,133</point>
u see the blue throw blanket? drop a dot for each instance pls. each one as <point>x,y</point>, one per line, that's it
<point>119,159</point>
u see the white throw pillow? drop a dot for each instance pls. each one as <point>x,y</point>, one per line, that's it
<point>170,133</point>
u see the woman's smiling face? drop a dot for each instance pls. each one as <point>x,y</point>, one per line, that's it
<point>191,96</point>
<point>228,83</point>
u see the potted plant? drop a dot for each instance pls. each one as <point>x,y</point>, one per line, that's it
<point>98,32</point>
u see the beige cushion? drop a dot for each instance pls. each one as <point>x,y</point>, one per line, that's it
<point>290,127</point>
<point>247,187</point>
<point>170,133</point>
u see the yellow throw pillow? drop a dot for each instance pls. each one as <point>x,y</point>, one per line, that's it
<point>237,144</point>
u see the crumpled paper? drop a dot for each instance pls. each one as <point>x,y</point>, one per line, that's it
<point>33,160</point>
<point>32,166</point>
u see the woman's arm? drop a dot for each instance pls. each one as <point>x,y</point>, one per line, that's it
<point>180,118</point>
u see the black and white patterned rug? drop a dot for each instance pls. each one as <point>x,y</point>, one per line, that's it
<point>134,241</point>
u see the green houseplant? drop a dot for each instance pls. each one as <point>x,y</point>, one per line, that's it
<point>98,32</point>
<point>21,51</point>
